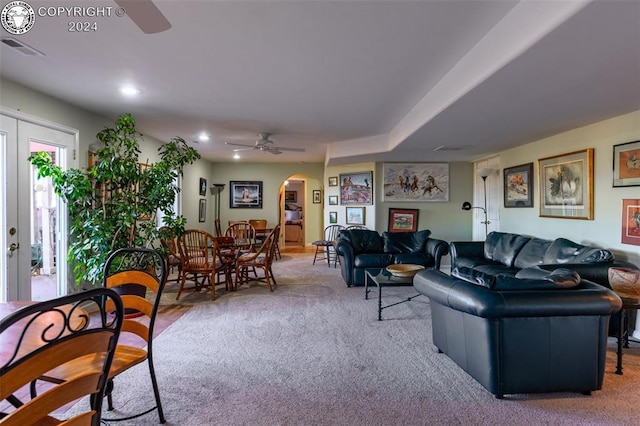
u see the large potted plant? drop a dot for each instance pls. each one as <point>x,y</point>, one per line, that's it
<point>115,203</point>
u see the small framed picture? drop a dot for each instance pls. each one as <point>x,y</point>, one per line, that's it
<point>333,181</point>
<point>403,220</point>
<point>631,221</point>
<point>203,186</point>
<point>291,196</point>
<point>333,200</point>
<point>317,197</point>
<point>518,186</point>
<point>355,215</point>
<point>333,217</point>
<point>202,210</point>
<point>626,164</point>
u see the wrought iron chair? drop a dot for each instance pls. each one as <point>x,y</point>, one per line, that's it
<point>325,247</point>
<point>262,259</point>
<point>46,335</point>
<point>132,272</point>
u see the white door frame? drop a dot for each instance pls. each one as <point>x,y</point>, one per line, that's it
<point>18,267</point>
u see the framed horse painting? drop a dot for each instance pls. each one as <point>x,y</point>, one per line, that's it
<point>415,182</point>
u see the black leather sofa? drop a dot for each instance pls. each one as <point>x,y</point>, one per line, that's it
<point>506,254</point>
<point>361,249</point>
<point>529,335</point>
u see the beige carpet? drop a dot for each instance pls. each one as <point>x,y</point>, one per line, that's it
<point>313,353</point>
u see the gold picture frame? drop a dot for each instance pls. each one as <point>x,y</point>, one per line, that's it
<point>566,185</point>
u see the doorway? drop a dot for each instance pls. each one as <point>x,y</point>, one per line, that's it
<point>293,208</point>
<point>33,231</point>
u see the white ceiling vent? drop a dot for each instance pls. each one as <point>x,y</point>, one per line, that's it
<point>21,47</point>
<point>451,147</point>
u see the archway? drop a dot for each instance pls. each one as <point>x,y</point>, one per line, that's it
<point>300,214</point>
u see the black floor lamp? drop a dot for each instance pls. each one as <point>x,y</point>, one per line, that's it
<point>216,189</point>
<point>484,174</point>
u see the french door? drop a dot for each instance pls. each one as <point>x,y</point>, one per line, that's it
<point>33,222</point>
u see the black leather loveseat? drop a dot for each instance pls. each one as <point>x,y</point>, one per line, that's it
<point>545,333</point>
<point>506,254</point>
<point>361,249</point>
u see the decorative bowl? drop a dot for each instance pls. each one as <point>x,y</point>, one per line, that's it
<point>404,269</point>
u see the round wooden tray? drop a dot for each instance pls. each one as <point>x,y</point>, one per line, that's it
<point>404,269</point>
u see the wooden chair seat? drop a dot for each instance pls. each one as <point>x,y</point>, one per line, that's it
<point>125,357</point>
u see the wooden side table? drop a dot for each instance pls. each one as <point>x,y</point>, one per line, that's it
<point>626,283</point>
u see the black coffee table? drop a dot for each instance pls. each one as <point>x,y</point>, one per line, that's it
<point>383,278</point>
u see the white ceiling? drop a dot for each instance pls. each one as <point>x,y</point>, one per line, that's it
<point>348,81</point>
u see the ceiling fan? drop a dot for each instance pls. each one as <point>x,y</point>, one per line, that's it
<point>264,144</point>
<point>145,15</point>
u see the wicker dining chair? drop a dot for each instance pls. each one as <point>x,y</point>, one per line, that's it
<point>199,261</point>
<point>261,259</point>
<point>244,234</point>
<point>174,262</point>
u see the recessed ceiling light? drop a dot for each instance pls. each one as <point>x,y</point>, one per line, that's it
<point>236,156</point>
<point>129,91</point>
<point>203,137</point>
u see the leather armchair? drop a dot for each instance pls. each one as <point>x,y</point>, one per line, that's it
<point>524,340</point>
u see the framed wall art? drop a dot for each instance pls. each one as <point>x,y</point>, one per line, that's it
<point>317,196</point>
<point>415,182</point>
<point>333,217</point>
<point>333,181</point>
<point>245,194</point>
<point>202,210</point>
<point>333,200</point>
<point>403,220</point>
<point>626,164</point>
<point>203,186</point>
<point>566,185</point>
<point>518,186</point>
<point>356,188</point>
<point>631,222</point>
<point>291,196</point>
<point>355,215</point>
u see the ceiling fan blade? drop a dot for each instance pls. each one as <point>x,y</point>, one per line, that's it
<point>239,144</point>
<point>145,15</point>
<point>275,151</point>
<point>282,148</point>
<point>244,149</point>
